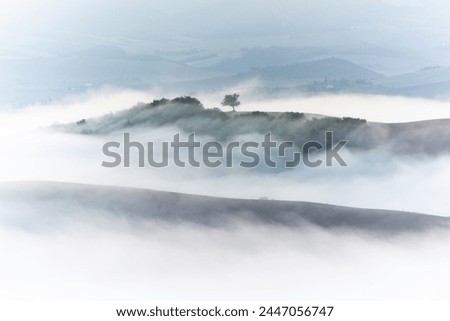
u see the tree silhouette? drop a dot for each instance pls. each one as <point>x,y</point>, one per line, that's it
<point>231,100</point>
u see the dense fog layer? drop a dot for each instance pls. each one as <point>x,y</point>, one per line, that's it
<point>156,261</point>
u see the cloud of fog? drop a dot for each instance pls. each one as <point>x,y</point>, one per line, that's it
<point>97,259</point>
<point>70,109</point>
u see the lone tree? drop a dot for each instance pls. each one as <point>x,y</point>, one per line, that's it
<point>231,100</point>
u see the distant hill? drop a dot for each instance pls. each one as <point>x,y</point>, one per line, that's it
<point>433,82</point>
<point>319,70</point>
<point>299,75</point>
<point>271,56</point>
<point>430,75</point>
<point>42,79</point>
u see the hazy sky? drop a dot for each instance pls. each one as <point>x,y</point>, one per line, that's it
<point>224,24</point>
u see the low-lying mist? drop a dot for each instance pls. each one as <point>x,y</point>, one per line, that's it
<point>186,262</point>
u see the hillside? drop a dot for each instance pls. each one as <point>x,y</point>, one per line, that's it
<point>426,137</point>
<point>63,203</point>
